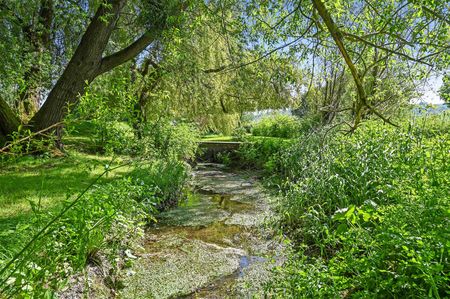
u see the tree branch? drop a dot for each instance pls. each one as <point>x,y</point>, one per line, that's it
<point>355,37</point>
<point>337,36</point>
<point>146,66</point>
<point>122,56</point>
<point>8,146</point>
<point>436,14</point>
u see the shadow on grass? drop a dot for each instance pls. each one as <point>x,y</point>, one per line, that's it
<point>45,181</point>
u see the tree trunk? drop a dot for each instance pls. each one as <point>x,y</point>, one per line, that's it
<point>337,37</point>
<point>151,80</point>
<point>8,121</point>
<point>82,68</point>
<point>85,65</point>
<point>38,37</point>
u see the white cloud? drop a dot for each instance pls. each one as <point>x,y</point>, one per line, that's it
<point>430,90</point>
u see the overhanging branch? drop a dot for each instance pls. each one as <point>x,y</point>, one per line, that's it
<point>436,14</point>
<point>122,56</point>
<point>337,36</point>
<point>357,38</point>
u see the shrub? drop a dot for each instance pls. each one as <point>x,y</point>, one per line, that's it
<point>239,133</point>
<point>261,152</point>
<point>112,137</point>
<point>167,179</point>
<point>277,125</point>
<point>167,139</point>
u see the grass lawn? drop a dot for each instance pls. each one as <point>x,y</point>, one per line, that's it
<point>46,183</point>
<point>249,137</point>
<point>214,137</point>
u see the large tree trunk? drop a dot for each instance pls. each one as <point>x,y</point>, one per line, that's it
<point>86,63</point>
<point>38,38</point>
<point>8,121</point>
<point>82,68</point>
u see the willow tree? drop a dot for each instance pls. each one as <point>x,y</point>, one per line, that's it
<point>205,71</point>
<point>94,54</point>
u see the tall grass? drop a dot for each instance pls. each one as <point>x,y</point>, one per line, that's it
<point>367,214</point>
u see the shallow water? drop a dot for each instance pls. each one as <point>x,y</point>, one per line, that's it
<point>212,246</point>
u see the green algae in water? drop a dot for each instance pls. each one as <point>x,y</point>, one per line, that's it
<point>182,269</point>
<point>225,202</point>
<point>217,233</point>
<point>192,199</point>
<point>207,246</point>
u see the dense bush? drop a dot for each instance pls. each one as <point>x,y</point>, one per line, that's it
<point>261,152</point>
<point>167,139</point>
<point>277,125</point>
<point>112,137</point>
<point>167,179</point>
<point>159,139</point>
<point>283,126</point>
<point>368,213</point>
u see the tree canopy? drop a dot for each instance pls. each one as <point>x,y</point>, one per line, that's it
<point>219,57</point>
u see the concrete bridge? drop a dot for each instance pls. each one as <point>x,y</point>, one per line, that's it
<point>210,149</point>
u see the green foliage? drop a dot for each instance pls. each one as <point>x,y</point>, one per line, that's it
<point>239,133</point>
<point>112,137</point>
<point>444,91</point>
<point>367,213</point>
<point>167,178</point>
<point>107,220</point>
<point>224,158</point>
<point>271,136</point>
<point>109,119</point>
<point>168,140</point>
<point>261,152</point>
<point>105,114</point>
<point>277,125</point>
<point>24,142</point>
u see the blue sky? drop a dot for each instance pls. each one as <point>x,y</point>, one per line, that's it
<point>430,90</point>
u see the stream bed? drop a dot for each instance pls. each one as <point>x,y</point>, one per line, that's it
<point>213,245</point>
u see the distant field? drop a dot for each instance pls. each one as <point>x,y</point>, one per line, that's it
<point>217,138</point>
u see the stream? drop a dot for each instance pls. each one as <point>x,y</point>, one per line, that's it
<point>213,245</point>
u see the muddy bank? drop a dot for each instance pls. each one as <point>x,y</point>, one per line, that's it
<point>213,245</point>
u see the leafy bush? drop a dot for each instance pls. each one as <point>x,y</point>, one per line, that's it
<point>160,139</point>
<point>261,152</point>
<point>112,137</point>
<point>167,139</point>
<point>277,125</point>
<point>367,213</point>
<point>239,133</point>
<point>167,179</point>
